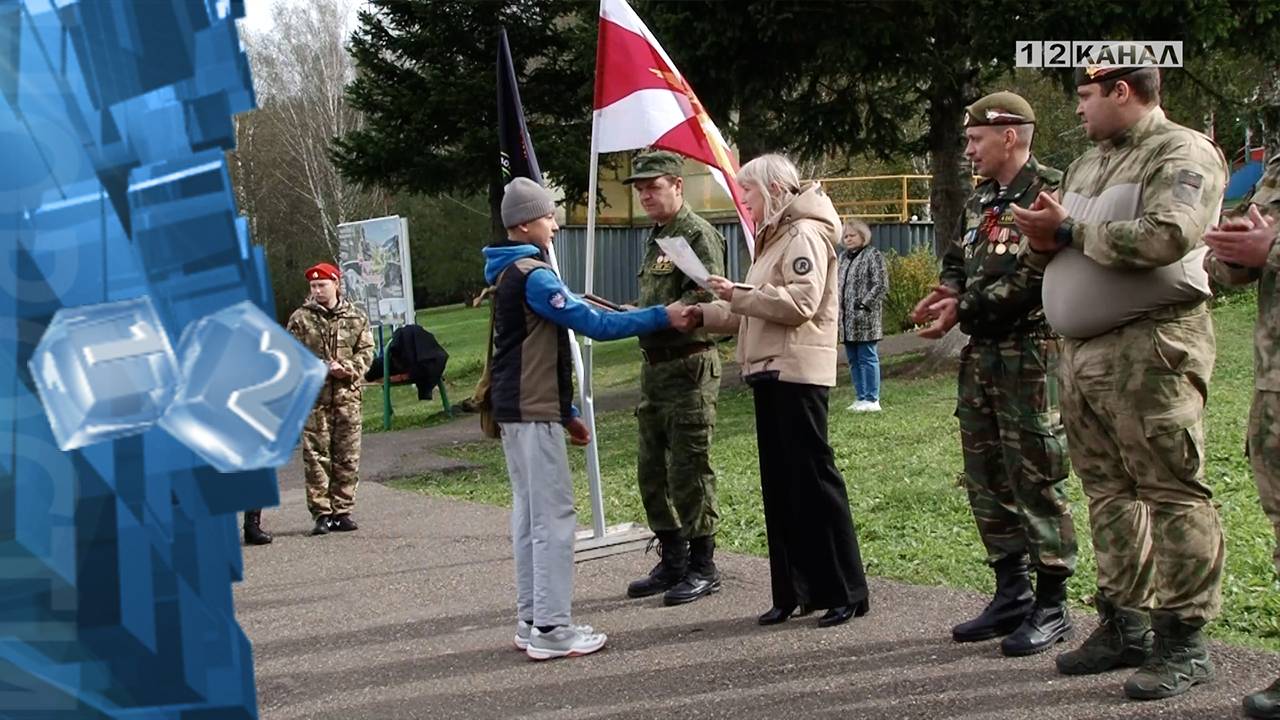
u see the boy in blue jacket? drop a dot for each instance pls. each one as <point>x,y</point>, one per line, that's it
<point>531,390</point>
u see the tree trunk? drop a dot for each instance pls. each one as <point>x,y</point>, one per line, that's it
<point>950,185</point>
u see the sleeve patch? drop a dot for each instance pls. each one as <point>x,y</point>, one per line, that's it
<point>1187,186</point>
<point>802,265</point>
<point>556,300</point>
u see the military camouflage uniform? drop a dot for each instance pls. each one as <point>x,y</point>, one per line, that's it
<point>1011,431</point>
<point>1134,388</point>
<point>679,387</point>
<point>1264,417</point>
<point>331,437</point>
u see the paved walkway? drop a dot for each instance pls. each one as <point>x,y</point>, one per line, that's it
<point>412,617</point>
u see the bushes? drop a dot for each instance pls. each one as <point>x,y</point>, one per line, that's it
<point>911,277</point>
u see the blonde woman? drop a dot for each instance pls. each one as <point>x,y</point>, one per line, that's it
<point>785,316</point>
<point>863,284</point>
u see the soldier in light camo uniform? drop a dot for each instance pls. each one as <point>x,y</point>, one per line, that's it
<point>1126,288</point>
<point>1242,251</point>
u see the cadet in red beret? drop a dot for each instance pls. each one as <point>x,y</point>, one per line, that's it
<point>338,333</point>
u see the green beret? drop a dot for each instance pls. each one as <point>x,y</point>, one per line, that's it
<point>1001,108</point>
<point>654,164</point>
<point>1099,73</point>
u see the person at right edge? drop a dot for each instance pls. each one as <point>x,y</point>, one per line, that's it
<point>679,387</point>
<point>1242,251</point>
<point>1010,425</point>
<point>1126,288</point>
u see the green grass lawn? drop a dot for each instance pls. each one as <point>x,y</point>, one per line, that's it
<point>463,331</point>
<point>902,467</point>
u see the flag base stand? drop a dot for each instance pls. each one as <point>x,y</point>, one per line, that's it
<point>617,539</point>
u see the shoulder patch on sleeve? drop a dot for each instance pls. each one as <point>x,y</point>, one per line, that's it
<point>802,265</point>
<point>556,300</point>
<point>1187,185</point>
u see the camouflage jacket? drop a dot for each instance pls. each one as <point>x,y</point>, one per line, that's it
<point>999,289</point>
<point>1266,334</point>
<point>1139,204</point>
<point>662,283</point>
<point>340,334</point>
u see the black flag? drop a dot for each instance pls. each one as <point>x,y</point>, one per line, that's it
<point>516,149</point>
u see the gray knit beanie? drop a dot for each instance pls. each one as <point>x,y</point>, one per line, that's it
<point>524,200</point>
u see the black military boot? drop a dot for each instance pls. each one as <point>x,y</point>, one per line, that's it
<point>1048,623</point>
<point>1123,639</point>
<point>323,525</point>
<point>253,532</point>
<point>1264,704</point>
<point>673,553</point>
<point>1178,662</point>
<point>1006,611</point>
<point>701,579</point>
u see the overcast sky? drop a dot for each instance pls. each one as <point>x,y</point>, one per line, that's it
<point>257,14</point>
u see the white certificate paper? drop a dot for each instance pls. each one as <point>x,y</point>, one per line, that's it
<point>677,249</point>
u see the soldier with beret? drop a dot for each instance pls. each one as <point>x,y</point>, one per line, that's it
<point>679,387</point>
<point>1010,426</point>
<point>1126,288</point>
<point>338,333</point>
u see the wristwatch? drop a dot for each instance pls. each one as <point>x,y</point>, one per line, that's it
<point>1062,236</point>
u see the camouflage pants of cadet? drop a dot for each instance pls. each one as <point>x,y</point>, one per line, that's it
<point>1133,400</point>
<point>1264,457</point>
<point>331,452</point>
<point>1015,456</point>
<point>677,415</point>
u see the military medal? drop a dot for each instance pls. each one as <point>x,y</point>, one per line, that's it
<point>1002,249</point>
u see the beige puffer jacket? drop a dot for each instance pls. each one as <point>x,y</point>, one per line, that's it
<point>787,312</point>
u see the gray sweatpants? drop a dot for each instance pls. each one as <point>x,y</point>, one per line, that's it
<point>542,520</point>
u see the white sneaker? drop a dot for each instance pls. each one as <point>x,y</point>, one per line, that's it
<point>870,406</point>
<point>523,630</point>
<point>854,406</point>
<point>564,641</point>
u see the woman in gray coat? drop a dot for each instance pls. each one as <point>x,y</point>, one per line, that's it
<point>863,284</point>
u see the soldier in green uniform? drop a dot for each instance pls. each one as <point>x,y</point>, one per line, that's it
<point>1010,427</point>
<point>338,333</point>
<point>1242,251</point>
<point>1125,286</point>
<point>679,386</point>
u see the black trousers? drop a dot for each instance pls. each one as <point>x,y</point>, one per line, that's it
<point>813,548</point>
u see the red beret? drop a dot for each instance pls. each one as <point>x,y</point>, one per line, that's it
<point>323,271</point>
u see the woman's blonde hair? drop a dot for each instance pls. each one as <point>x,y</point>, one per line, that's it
<point>778,180</point>
<point>858,227</point>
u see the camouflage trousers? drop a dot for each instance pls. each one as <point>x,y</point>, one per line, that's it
<point>676,417</point>
<point>1264,457</point>
<point>1133,400</point>
<point>331,453</point>
<point>1015,456</point>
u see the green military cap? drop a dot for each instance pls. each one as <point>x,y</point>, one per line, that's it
<point>655,163</point>
<point>1098,73</point>
<point>1001,108</point>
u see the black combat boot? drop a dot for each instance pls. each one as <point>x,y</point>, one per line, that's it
<point>1048,623</point>
<point>1264,704</point>
<point>1006,611</point>
<point>673,553</point>
<point>253,532</point>
<point>1178,662</point>
<point>701,579</point>
<point>323,525</point>
<point>1122,639</point>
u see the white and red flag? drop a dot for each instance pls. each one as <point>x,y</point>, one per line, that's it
<point>642,100</point>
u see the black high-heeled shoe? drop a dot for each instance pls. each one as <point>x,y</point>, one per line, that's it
<point>775,615</point>
<point>840,615</point>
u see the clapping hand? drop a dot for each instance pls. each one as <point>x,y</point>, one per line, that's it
<point>940,307</point>
<point>1243,241</point>
<point>1039,222</point>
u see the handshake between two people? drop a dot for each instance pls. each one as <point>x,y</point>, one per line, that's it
<point>687,318</point>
